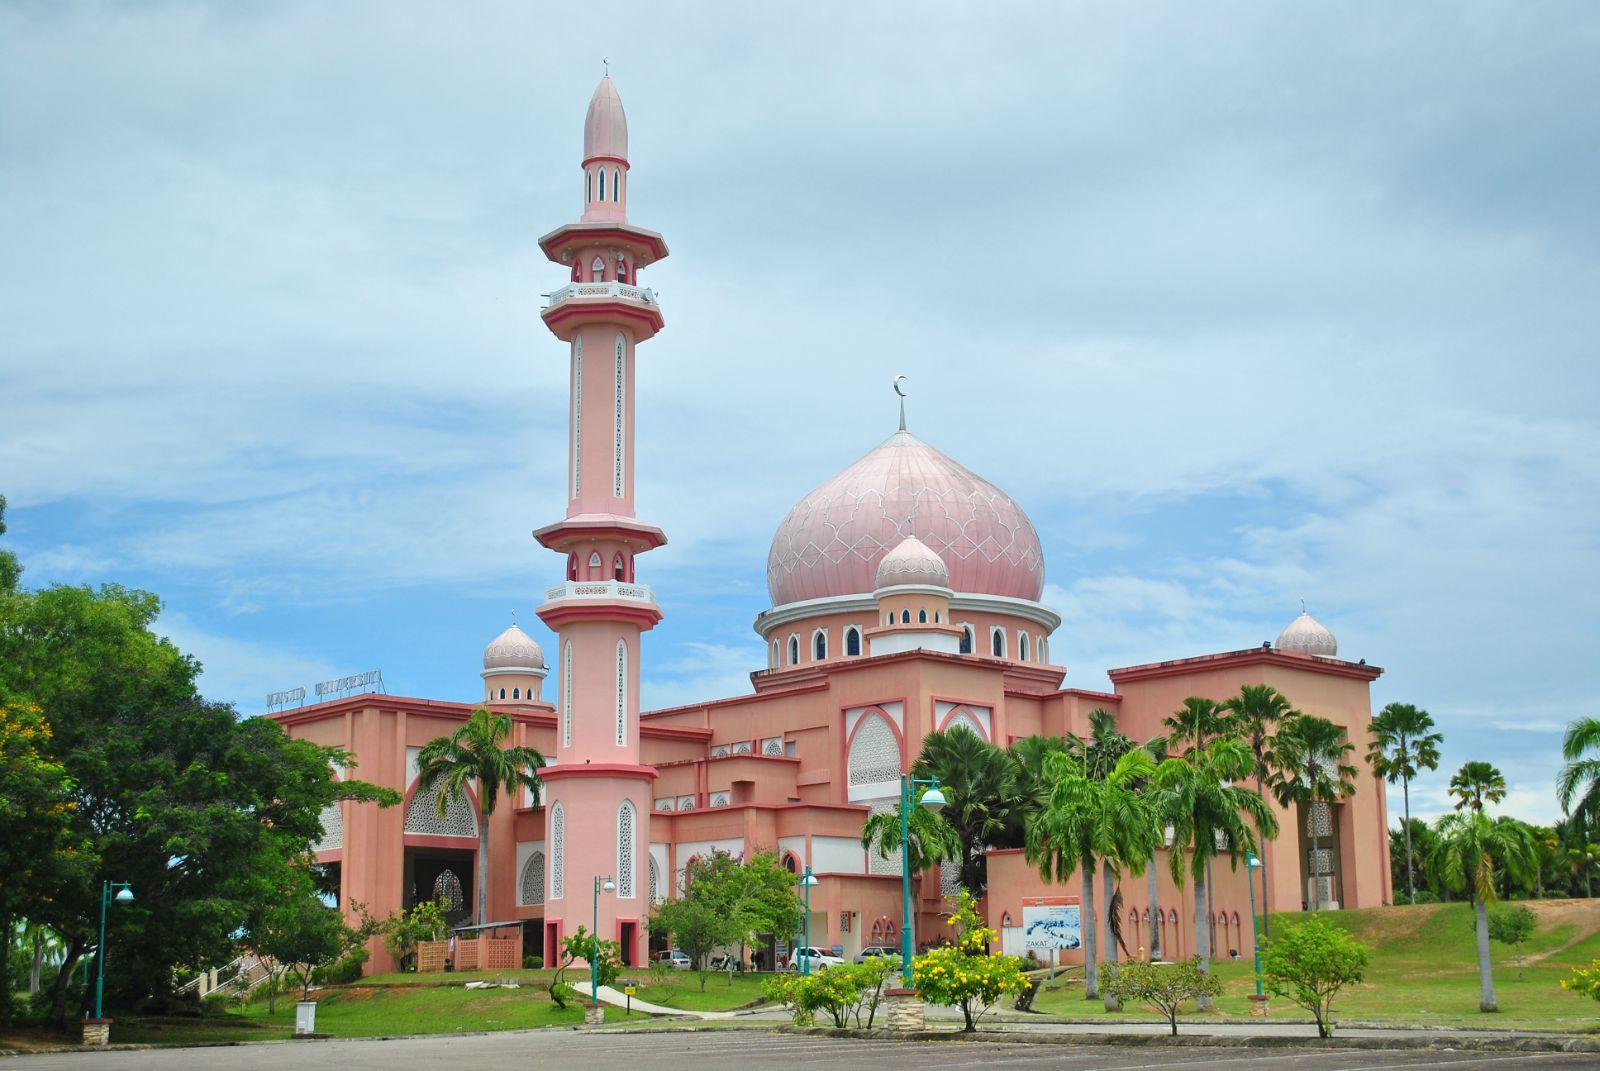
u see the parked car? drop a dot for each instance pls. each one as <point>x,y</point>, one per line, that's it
<point>876,952</point>
<point>818,957</point>
<point>724,962</point>
<point>672,957</point>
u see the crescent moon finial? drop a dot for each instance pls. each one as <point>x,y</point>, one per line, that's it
<point>898,389</point>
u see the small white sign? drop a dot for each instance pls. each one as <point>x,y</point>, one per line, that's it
<point>1052,922</point>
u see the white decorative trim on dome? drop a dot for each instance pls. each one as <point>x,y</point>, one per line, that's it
<point>779,616</point>
<point>830,543</point>
<point>512,651</point>
<point>1307,635</point>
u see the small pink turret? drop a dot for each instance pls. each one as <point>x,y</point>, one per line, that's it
<point>605,156</point>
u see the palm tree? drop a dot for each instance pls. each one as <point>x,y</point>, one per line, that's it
<point>1195,723</point>
<point>1311,753</point>
<point>1210,812</point>
<point>980,786</point>
<point>1477,783</point>
<point>1255,715</point>
<point>1469,853</point>
<point>1580,776</point>
<point>476,752</point>
<point>1100,752</point>
<point>1404,744</point>
<point>1161,805</point>
<point>1088,817</point>
<point>932,839</point>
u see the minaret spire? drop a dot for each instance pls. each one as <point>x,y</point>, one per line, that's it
<point>901,392</point>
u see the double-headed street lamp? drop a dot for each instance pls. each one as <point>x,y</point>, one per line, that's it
<point>607,885</point>
<point>804,881</point>
<point>932,799</point>
<point>1252,864</point>
<point>124,895</point>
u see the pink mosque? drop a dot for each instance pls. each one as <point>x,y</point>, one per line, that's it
<point>905,598</point>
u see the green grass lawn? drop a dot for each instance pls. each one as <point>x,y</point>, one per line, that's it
<point>682,990</point>
<point>1424,972</point>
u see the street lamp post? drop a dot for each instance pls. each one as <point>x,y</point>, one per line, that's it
<point>932,799</point>
<point>807,880</point>
<point>594,942</point>
<point>124,895</point>
<point>1251,866</point>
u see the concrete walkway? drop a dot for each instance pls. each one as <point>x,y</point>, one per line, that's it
<point>621,1000</point>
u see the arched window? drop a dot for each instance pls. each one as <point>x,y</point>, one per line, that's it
<point>922,617</point>
<point>618,567</point>
<point>588,186</point>
<point>572,567</point>
<point>936,617</point>
<point>794,650</point>
<point>888,618</point>
<point>1022,646</point>
<point>616,184</point>
<point>997,641</point>
<point>502,693</point>
<point>594,562</point>
<point>447,890</point>
<point>905,617</point>
<point>622,270</point>
<point>622,693</point>
<point>602,184</point>
<point>516,693</point>
<point>774,663</point>
<point>558,851</point>
<point>819,645</point>
<point>852,641</point>
<point>966,639</point>
<point>577,271</point>
<point>597,271</point>
<point>625,850</point>
<point>533,879</point>
<point>790,863</point>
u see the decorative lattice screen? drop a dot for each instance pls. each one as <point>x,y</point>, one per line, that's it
<point>874,752</point>
<point>332,828</point>
<point>655,881</point>
<point>558,852</point>
<point>1319,820</point>
<point>876,863</point>
<point>533,879</point>
<point>625,841</point>
<point>949,879</point>
<point>966,721</point>
<point>422,814</point>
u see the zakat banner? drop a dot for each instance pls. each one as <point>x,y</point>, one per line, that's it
<point>1052,922</point>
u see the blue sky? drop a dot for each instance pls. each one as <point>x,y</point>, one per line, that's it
<point>1243,304</point>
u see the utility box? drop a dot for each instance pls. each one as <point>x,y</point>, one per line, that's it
<point>305,1017</point>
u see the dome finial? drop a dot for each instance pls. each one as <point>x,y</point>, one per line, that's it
<point>901,391</point>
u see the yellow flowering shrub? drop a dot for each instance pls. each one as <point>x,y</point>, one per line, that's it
<point>965,974</point>
<point>1585,980</point>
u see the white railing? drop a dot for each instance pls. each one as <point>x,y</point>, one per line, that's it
<point>580,291</point>
<point>600,589</point>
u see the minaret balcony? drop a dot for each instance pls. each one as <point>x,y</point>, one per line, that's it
<point>599,599</point>
<point>579,303</point>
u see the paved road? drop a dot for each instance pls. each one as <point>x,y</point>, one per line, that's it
<point>755,1050</point>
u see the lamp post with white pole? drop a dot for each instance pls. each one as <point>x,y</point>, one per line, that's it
<point>1251,866</point>
<point>607,885</point>
<point>932,799</point>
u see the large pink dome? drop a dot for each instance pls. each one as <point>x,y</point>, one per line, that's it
<point>831,542</point>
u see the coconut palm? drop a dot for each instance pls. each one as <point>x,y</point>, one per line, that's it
<point>1195,723</point>
<point>1404,744</point>
<point>1254,716</point>
<point>477,752</point>
<point>1311,754</point>
<point>1580,776</point>
<point>980,787</point>
<point>932,839</point>
<point>1469,855</point>
<point>1211,813</point>
<point>1477,783</point>
<point>1100,752</point>
<point>1085,818</point>
<point>1161,804</point>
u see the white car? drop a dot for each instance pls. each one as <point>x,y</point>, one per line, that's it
<point>678,961</point>
<point>818,958</point>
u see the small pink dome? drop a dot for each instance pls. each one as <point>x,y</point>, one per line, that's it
<point>513,649</point>
<point>830,543</point>
<point>605,128</point>
<point>912,562</point>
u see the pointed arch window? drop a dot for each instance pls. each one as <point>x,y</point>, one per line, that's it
<point>922,617</point>
<point>905,617</point>
<point>997,641</point>
<point>588,186</point>
<point>794,650</point>
<point>516,693</point>
<point>616,184</point>
<point>819,645</point>
<point>502,693</point>
<point>626,844</point>
<point>774,663</point>
<point>622,270</point>
<point>598,270</point>
<point>602,184</point>
<point>852,641</point>
<point>572,566</point>
<point>594,563</point>
<point>618,567</point>
<point>558,851</point>
<point>447,891</point>
<point>533,880</point>
<point>1022,646</point>
<point>967,639</point>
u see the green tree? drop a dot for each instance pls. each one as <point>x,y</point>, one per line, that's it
<point>1579,780</point>
<point>1106,745</point>
<point>1196,723</point>
<point>1468,855</point>
<point>296,931</point>
<point>604,956</point>
<point>1512,925</point>
<point>1475,784</point>
<point>1089,817</point>
<point>1410,846</point>
<point>477,752</point>
<point>932,839</point>
<point>403,932</point>
<point>10,568</point>
<point>1163,987</point>
<point>981,791</point>
<point>725,902</point>
<point>963,973</point>
<point>1255,715</point>
<point>1404,744</point>
<point>1312,756</point>
<point>1310,962</point>
<point>697,927</point>
<point>162,789</point>
<point>1211,813</point>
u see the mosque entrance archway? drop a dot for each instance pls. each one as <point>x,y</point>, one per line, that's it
<point>442,873</point>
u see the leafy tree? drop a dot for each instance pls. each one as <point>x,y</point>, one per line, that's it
<point>981,791</point>
<point>1579,779</point>
<point>1211,813</point>
<point>605,958</point>
<point>1475,784</point>
<point>756,894</point>
<point>1100,752</point>
<point>1312,768</point>
<point>1404,744</point>
<point>1255,716</point>
<point>1546,846</point>
<point>1089,817</point>
<point>407,929</point>
<point>1467,856</point>
<point>1309,962</point>
<point>848,993</point>
<point>10,568</point>
<point>1163,987</point>
<point>1410,846</point>
<point>1512,925</point>
<point>297,932</point>
<point>963,973</point>
<point>1196,723</point>
<point>162,789</point>
<point>721,903</point>
<point>476,751</point>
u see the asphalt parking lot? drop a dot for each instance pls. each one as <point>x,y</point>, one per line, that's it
<point>750,1049</point>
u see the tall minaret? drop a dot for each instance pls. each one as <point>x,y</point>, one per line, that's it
<point>598,798</point>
